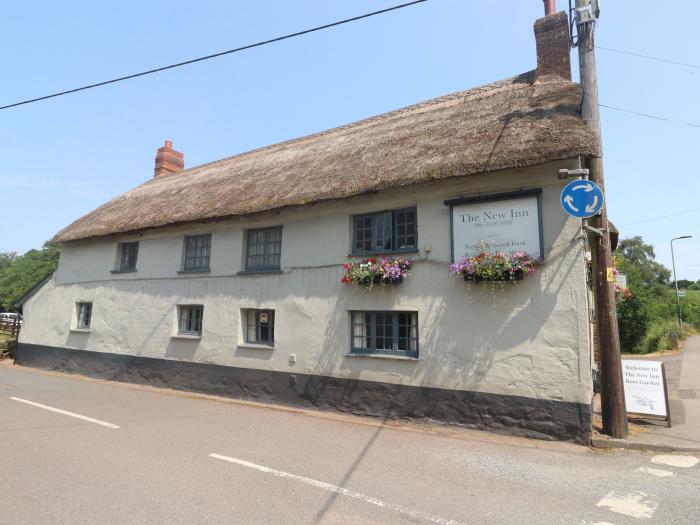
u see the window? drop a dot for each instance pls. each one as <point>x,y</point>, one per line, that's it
<point>190,319</point>
<point>390,333</point>
<point>84,315</point>
<point>129,253</point>
<point>389,231</point>
<point>260,327</point>
<point>264,249</point>
<point>197,251</point>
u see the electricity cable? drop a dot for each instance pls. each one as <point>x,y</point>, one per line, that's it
<point>655,117</point>
<point>653,219</point>
<point>216,55</point>
<point>666,60</point>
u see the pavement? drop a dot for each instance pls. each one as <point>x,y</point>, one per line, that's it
<point>76,450</point>
<point>683,383</point>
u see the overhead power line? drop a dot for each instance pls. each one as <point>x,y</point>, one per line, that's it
<point>666,60</point>
<point>660,217</point>
<point>655,117</point>
<point>216,55</point>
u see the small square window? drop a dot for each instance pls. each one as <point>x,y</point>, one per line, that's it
<point>128,254</point>
<point>387,333</point>
<point>84,311</point>
<point>264,249</point>
<point>197,252</point>
<point>260,327</point>
<point>190,319</point>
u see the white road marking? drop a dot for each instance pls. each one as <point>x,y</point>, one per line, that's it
<point>676,461</point>
<point>634,504</point>
<point>66,413</point>
<point>656,472</point>
<point>339,490</point>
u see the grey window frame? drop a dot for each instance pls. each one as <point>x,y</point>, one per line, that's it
<point>190,243</point>
<point>369,333</point>
<point>252,234</point>
<point>83,315</point>
<point>257,327</point>
<point>383,225</point>
<point>190,324</point>
<point>127,259</point>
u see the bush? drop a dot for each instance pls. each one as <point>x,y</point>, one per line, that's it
<point>633,319</point>
<point>7,346</point>
<point>659,337</point>
<point>648,318</point>
<point>691,310</point>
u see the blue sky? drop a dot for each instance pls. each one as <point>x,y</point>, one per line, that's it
<point>61,158</point>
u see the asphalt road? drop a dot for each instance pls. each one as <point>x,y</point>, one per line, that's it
<point>182,459</point>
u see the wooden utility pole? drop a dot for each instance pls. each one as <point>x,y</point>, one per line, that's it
<point>612,388</point>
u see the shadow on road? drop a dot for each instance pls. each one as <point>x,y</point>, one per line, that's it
<point>331,499</point>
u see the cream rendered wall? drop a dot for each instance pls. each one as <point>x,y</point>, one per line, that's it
<point>530,338</point>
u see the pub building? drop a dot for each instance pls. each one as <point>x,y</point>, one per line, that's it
<point>342,271</point>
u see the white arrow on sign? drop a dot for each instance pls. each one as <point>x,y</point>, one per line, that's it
<point>586,187</point>
<point>569,200</point>
<point>591,207</point>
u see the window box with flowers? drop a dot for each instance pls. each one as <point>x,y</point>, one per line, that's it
<point>494,267</point>
<point>373,271</point>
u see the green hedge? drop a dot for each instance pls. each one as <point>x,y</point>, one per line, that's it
<point>659,336</point>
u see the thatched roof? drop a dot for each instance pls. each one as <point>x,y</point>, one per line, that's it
<point>513,123</point>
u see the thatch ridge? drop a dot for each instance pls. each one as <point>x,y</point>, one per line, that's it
<point>512,123</point>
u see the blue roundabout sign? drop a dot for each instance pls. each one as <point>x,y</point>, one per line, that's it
<point>582,199</point>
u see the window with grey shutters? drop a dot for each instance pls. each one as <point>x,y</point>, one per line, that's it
<point>264,249</point>
<point>197,252</point>
<point>190,319</point>
<point>385,232</point>
<point>84,311</point>
<point>386,333</point>
<point>129,253</point>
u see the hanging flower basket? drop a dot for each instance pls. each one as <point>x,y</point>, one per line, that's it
<point>375,271</point>
<point>494,267</point>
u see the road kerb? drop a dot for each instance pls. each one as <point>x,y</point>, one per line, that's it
<point>611,443</point>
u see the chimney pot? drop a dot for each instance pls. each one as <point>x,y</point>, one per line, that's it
<point>550,7</point>
<point>168,161</point>
<point>553,46</point>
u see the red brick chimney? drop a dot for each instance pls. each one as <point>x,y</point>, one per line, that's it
<point>553,44</point>
<point>168,160</point>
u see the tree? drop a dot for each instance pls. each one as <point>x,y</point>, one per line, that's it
<point>6,259</point>
<point>19,273</point>
<point>647,319</point>
<point>650,299</point>
<point>683,284</point>
<point>642,263</point>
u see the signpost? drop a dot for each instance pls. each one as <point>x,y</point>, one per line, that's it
<point>646,393</point>
<point>581,199</point>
